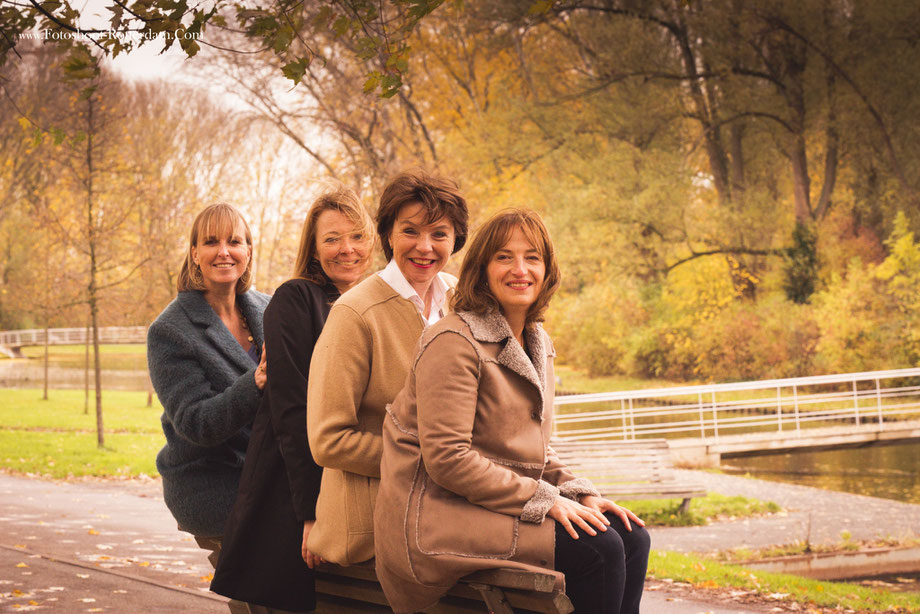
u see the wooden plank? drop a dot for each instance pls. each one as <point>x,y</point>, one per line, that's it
<point>513,578</point>
<point>627,470</point>
<point>524,591</point>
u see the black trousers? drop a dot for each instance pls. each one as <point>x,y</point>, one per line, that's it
<point>605,573</point>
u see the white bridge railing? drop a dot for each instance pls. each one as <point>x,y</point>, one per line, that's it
<point>72,336</point>
<point>711,410</point>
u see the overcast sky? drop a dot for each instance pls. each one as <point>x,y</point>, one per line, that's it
<point>145,61</point>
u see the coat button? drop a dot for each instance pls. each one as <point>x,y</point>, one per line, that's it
<point>543,562</point>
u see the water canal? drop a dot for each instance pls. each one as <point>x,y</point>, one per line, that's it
<point>890,472</point>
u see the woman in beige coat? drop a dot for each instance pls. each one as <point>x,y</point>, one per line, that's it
<point>364,353</point>
<point>468,478</point>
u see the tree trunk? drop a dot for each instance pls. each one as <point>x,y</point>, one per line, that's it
<point>92,291</point>
<point>100,434</point>
<point>45,391</point>
<point>86,367</point>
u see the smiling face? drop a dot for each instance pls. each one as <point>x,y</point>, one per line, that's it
<point>342,249</point>
<point>515,274</point>
<point>222,255</point>
<point>420,249</point>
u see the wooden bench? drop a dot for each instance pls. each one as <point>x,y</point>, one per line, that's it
<point>500,591</point>
<point>627,469</point>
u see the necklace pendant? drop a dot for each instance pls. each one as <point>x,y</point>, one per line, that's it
<point>250,338</point>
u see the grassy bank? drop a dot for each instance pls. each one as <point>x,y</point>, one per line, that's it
<point>118,357</point>
<point>708,574</point>
<point>575,381</point>
<point>711,508</point>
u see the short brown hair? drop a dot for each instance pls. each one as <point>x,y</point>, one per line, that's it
<point>336,198</point>
<point>439,196</point>
<point>473,292</point>
<point>215,220</point>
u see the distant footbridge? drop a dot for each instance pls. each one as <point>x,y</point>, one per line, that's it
<point>12,341</point>
<point>706,423</point>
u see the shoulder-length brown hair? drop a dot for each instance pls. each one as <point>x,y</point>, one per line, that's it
<point>473,293</point>
<point>439,196</point>
<point>216,220</point>
<point>336,198</point>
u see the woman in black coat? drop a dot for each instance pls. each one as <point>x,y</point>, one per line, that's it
<point>264,559</point>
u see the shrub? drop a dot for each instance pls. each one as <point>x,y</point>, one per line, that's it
<point>593,330</point>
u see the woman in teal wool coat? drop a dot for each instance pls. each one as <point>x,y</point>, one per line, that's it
<point>207,367</point>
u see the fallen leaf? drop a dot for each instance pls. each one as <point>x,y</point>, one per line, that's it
<point>88,600</point>
<point>19,546</point>
<point>17,592</point>
<point>207,578</point>
<point>83,575</point>
<point>144,564</point>
<point>93,532</point>
<point>21,565</point>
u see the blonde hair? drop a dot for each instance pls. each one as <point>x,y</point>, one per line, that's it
<point>473,292</point>
<point>216,220</point>
<point>337,198</point>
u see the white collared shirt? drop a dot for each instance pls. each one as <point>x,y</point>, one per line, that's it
<point>394,277</point>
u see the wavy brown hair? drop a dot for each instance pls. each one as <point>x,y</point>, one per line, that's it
<point>472,292</point>
<point>439,196</point>
<point>216,220</point>
<point>337,198</point>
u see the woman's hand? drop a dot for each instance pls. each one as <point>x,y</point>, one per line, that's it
<point>261,374</point>
<point>308,557</point>
<point>569,513</point>
<point>601,505</point>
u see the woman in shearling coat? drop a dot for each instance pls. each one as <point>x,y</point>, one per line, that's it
<point>467,440</point>
<point>206,365</point>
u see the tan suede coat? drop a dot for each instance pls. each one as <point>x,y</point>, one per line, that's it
<point>467,475</point>
<point>359,365</point>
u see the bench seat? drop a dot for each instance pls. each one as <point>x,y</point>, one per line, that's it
<point>625,470</point>
<point>502,591</point>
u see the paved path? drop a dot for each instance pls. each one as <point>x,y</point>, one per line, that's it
<point>812,514</point>
<point>111,546</point>
<point>96,547</point>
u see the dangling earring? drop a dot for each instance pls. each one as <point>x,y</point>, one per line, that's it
<point>197,277</point>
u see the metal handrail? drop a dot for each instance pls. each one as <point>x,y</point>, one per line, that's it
<point>784,406</point>
<point>71,336</point>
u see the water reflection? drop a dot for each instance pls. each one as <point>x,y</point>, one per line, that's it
<point>890,472</point>
<point>31,374</point>
<point>899,583</point>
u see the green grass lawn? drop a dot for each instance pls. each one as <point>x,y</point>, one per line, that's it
<point>55,438</point>
<point>65,454</point>
<point>121,410</point>
<point>709,574</point>
<point>79,350</point>
<point>573,380</point>
<point>666,512</point>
